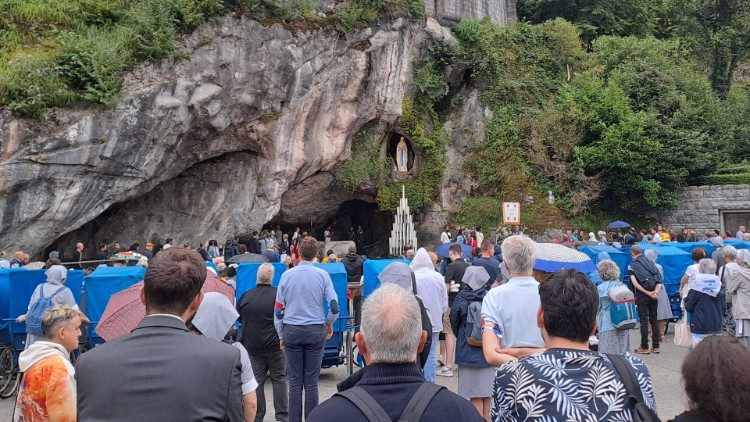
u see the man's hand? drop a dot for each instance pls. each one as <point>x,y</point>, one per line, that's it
<point>329,331</point>
<point>21,318</point>
<point>281,344</point>
<point>654,295</point>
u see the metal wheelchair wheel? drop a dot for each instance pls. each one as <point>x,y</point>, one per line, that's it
<point>7,366</point>
<point>12,388</point>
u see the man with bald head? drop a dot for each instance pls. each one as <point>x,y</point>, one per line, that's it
<point>391,385</point>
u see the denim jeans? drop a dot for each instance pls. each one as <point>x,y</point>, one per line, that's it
<point>271,365</point>
<point>303,347</point>
<point>430,368</point>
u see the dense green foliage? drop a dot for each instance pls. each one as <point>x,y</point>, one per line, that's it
<point>366,167</point>
<point>715,32</point>
<point>57,52</point>
<point>625,122</point>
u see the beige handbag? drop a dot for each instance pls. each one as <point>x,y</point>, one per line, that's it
<point>682,335</point>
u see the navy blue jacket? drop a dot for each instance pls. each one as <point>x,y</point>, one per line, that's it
<point>707,312</point>
<point>465,354</point>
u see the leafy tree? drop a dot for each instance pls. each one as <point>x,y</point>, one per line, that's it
<point>717,32</point>
<point>597,17</point>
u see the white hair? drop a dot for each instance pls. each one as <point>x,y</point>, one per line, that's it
<point>707,266</point>
<point>730,252</point>
<point>518,254</point>
<point>392,325</point>
<point>265,274</point>
<point>608,270</point>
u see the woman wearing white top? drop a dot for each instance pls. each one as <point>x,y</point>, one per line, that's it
<point>690,272</point>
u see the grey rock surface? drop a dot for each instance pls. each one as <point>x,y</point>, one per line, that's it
<point>209,144</point>
<point>701,207</point>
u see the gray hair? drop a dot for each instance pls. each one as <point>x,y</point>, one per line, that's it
<point>392,325</point>
<point>608,270</point>
<point>730,252</point>
<point>636,250</point>
<point>518,254</point>
<point>707,266</point>
<point>265,274</point>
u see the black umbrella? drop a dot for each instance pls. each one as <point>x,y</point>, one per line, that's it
<point>247,257</point>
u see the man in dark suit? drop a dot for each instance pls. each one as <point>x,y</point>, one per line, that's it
<point>160,371</point>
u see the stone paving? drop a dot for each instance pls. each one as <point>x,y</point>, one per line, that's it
<point>664,368</point>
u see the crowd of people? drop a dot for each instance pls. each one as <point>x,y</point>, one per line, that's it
<point>519,344</point>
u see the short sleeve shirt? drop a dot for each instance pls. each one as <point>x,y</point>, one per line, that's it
<point>249,384</point>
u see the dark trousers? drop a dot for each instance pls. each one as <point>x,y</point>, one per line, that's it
<point>271,365</point>
<point>647,314</point>
<point>303,347</point>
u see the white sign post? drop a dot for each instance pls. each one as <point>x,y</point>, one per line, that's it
<point>511,213</point>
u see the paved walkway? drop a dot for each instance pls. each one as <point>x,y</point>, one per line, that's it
<point>664,368</point>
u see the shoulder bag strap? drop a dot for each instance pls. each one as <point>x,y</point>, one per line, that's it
<point>366,404</point>
<point>419,402</point>
<point>627,377</point>
<point>641,412</point>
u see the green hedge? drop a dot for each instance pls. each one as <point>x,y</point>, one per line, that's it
<point>726,179</point>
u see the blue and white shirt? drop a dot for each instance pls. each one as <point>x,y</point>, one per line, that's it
<point>302,296</point>
<point>565,385</point>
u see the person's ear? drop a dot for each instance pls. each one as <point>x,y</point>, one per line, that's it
<point>540,317</point>
<point>596,327</point>
<point>359,338</point>
<point>195,304</point>
<point>422,341</point>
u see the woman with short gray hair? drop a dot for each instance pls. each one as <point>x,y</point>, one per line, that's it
<point>611,340</point>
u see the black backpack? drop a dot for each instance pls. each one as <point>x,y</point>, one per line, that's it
<point>375,413</point>
<point>646,273</point>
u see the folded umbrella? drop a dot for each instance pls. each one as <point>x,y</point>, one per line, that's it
<point>442,250</point>
<point>125,310</point>
<point>551,257</point>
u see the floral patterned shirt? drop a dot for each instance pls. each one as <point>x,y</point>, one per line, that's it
<point>565,385</point>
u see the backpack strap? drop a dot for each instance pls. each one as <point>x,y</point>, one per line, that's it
<point>419,402</point>
<point>366,404</point>
<point>627,376</point>
<point>57,291</point>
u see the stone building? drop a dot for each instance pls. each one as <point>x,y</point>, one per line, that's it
<point>723,207</point>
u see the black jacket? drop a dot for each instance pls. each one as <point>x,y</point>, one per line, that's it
<point>392,386</point>
<point>256,314</point>
<point>353,264</point>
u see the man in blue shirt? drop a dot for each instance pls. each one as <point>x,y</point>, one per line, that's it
<point>303,326</point>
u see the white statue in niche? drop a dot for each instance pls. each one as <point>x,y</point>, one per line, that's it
<point>402,156</point>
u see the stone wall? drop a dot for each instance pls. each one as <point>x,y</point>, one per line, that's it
<point>700,206</point>
<point>449,12</point>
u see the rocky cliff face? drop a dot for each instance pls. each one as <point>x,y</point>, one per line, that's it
<point>247,128</point>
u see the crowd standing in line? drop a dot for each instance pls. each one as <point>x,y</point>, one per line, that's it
<point>489,313</point>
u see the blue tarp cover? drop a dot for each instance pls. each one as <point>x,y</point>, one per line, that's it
<point>105,282</point>
<point>247,273</point>
<point>16,287</point>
